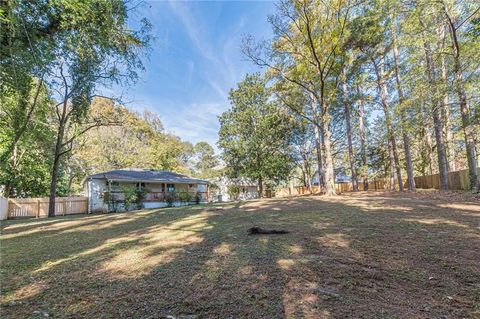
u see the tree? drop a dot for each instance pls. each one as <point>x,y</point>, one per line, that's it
<point>25,49</point>
<point>24,168</point>
<point>459,84</point>
<point>310,36</point>
<point>255,134</point>
<point>402,104</point>
<point>137,141</point>
<point>91,45</point>
<point>206,159</point>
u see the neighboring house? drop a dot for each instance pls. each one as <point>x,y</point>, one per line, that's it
<point>106,191</point>
<point>340,177</point>
<point>225,189</point>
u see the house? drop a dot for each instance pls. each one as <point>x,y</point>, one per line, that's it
<point>107,191</point>
<point>340,177</point>
<point>225,189</point>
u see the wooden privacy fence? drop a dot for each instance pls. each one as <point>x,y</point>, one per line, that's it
<point>38,207</point>
<point>458,180</point>
<point>375,184</point>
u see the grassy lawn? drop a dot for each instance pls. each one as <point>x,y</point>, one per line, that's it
<point>366,255</point>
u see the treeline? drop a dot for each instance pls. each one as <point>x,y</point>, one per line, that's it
<point>124,139</point>
<point>55,127</point>
<point>383,88</point>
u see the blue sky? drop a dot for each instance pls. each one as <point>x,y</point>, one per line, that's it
<point>195,61</point>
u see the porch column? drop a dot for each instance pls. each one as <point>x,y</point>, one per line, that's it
<point>164,192</point>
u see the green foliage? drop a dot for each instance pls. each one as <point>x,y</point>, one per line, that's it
<point>170,198</point>
<point>233,191</point>
<point>130,196</point>
<point>206,159</point>
<point>50,69</point>
<point>25,146</point>
<point>139,141</point>
<point>255,134</point>
<point>197,197</point>
<point>133,197</point>
<point>185,196</point>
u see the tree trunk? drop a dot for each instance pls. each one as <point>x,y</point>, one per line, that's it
<point>304,175</point>
<point>363,149</point>
<point>56,160</point>
<point>468,135</point>
<point>328,162</point>
<point>318,142</point>
<point>401,99</point>
<point>437,120</point>
<point>391,166</point>
<point>309,178</point>
<point>382,88</point>
<point>53,185</point>
<point>428,157</point>
<point>351,156</point>
<point>464,109</point>
<point>448,134</point>
<point>318,148</point>
<point>260,187</point>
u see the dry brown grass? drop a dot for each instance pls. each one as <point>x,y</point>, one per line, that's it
<point>364,255</point>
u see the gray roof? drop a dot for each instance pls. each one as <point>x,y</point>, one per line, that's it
<point>147,175</point>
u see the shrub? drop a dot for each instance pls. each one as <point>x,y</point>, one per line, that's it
<point>198,197</point>
<point>185,196</point>
<point>233,191</point>
<point>170,199</point>
<point>141,194</point>
<point>130,196</point>
<point>133,197</point>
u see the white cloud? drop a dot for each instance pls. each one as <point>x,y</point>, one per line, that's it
<point>195,122</point>
<point>206,67</point>
<point>194,29</point>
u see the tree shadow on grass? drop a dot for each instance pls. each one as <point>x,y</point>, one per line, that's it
<point>341,259</point>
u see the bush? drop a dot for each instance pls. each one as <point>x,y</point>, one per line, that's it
<point>233,191</point>
<point>112,203</point>
<point>185,196</point>
<point>133,197</point>
<point>141,194</point>
<point>170,199</point>
<point>130,196</point>
<point>198,197</point>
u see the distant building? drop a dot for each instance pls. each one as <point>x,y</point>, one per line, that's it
<point>340,177</point>
<point>224,189</point>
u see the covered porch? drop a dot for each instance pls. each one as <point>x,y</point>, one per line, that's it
<point>158,192</point>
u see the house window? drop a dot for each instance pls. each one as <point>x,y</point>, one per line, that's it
<point>170,188</point>
<point>140,185</point>
<point>113,185</point>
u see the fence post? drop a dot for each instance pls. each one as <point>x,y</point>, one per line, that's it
<point>3,208</point>
<point>64,206</point>
<point>38,208</point>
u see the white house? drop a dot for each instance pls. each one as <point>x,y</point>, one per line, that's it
<point>106,191</point>
<point>225,189</point>
<point>340,177</point>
